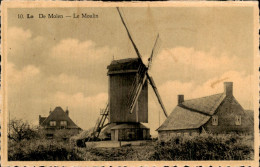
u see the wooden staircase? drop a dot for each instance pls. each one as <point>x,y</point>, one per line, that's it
<point>100,124</point>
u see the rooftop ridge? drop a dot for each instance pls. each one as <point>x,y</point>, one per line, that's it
<point>206,104</point>
<point>203,97</point>
<point>214,107</point>
<point>193,110</point>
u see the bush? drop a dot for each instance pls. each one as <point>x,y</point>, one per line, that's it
<point>204,147</point>
<point>28,143</point>
<point>64,134</point>
<point>42,149</point>
<point>20,130</point>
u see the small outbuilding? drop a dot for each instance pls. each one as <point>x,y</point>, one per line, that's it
<point>130,131</point>
<point>219,113</point>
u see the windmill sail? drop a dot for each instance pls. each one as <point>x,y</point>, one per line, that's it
<point>152,83</point>
<point>141,75</point>
<point>133,98</point>
<point>137,93</point>
<point>129,35</point>
<point>153,51</point>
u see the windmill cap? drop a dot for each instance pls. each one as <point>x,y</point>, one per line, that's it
<point>124,65</point>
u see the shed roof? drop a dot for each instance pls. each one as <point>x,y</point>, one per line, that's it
<point>59,115</point>
<point>206,105</point>
<point>182,118</point>
<point>129,126</point>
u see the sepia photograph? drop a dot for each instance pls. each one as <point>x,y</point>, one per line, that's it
<point>167,83</point>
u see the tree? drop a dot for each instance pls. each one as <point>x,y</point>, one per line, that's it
<point>20,130</point>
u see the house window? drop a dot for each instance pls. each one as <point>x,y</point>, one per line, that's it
<point>52,123</point>
<point>215,120</point>
<point>63,124</point>
<point>238,120</point>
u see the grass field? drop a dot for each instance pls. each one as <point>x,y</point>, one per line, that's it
<point>203,147</point>
<point>126,153</point>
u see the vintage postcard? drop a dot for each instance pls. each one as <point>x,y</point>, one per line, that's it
<point>133,84</point>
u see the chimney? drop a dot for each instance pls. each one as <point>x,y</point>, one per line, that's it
<point>228,88</point>
<point>180,99</point>
<point>67,111</point>
<point>40,119</point>
<point>50,111</point>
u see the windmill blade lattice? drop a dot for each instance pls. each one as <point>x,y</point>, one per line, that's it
<point>142,74</point>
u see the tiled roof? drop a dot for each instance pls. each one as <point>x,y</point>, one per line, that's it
<point>192,114</point>
<point>59,115</point>
<point>206,105</point>
<point>182,118</point>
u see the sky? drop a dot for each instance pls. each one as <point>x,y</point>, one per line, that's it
<point>63,62</point>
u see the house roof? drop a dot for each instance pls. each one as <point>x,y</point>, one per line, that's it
<point>59,115</point>
<point>206,105</point>
<point>42,119</point>
<point>193,113</point>
<point>182,118</point>
<point>250,114</point>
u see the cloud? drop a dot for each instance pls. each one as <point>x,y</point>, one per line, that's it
<point>71,84</point>
<point>77,65</point>
<point>196,59</point>
<point>84,59</point>
<point>73,49</point>
<point>24,75</point>
<point>26,49</point>
<point>185,64</point>
<point>18,33</point>
<point>81,58</point>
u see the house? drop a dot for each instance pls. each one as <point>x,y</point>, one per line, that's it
<point>58,124</point>
<point>219,113</point>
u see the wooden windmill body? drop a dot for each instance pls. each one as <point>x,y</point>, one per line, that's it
<point>121,77</point>
<point>128,125</point>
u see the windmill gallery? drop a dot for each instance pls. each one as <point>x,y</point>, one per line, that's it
<point>127,107</point>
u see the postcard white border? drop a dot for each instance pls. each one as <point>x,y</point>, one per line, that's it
<point>44,4</point>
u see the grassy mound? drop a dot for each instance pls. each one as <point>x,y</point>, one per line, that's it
<point>205,147</point>
<point>42,149</point>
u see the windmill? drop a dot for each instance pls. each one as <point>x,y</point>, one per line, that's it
<point>128,96</point>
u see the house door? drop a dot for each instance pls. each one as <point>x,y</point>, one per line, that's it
<point>144,134</point>
<point>116,135</point>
